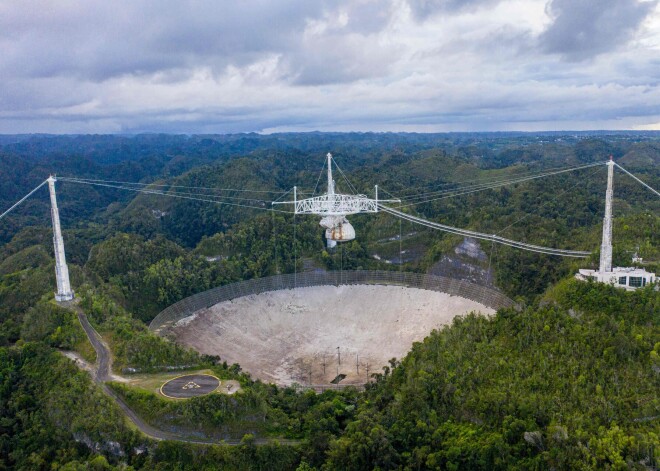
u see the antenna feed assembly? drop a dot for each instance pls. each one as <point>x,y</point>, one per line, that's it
<point>333,208</point>
<point>337,229</point>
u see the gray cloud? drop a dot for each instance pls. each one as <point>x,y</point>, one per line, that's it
<point>585,28</point>
<point>97,41</point>
<point>422,9</point>
<point>346,48</point>
<point>222,66</point>
<point>345,60</point>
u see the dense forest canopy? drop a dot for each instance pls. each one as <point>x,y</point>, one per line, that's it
<point>569,381</point>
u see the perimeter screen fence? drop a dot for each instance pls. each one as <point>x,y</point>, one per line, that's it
<point>188,306</point>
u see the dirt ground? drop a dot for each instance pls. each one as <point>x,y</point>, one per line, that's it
<point>292,335</point>
<point>152,381</point>
<point>87,366</point>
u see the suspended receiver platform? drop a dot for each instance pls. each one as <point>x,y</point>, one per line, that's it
<point>333,208</point>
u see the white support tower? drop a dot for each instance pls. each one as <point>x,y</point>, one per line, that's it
<point>64,291</point>
<point>606,246</point>
<point>629,278</point>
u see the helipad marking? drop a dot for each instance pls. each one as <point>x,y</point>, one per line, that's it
<point>190,385</point>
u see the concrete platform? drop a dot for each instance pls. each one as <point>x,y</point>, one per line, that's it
<point>187,386</point>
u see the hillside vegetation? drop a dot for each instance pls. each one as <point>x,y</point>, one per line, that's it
<point>569,381</point>
<point>570,384</point>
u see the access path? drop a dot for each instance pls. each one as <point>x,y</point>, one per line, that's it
<point>102,373</point>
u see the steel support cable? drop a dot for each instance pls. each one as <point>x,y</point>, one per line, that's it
<point>630,174</point>
<point>487,181</point>
<point>508,180</point>
<point>282,195</point>
<point>485,184</point>
<point>500,182</point>
<point>174,195</point>
<point>493,186</point>
<point>185,193</point>
<point>318,180</point>
<point>22,199</point>
<point>341,172</point>
<point>564,191</point>
<point>450,193</point>
<point>170,186</point>
<point>482,236</point>
<point>89,180</point>
<point>390,194</point>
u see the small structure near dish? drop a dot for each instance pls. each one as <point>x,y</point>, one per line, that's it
<point>187,386</point>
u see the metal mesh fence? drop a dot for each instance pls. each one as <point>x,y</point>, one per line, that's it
<point>186,307</point>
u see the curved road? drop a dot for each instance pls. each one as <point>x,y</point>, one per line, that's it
<point>103,373</point>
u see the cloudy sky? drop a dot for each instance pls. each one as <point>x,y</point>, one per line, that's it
<point>88,66</point>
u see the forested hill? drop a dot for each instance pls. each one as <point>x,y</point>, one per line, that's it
<point>568,384</point>
<point>162,249</point>
<point>570,381</point>
<point>25,161</point>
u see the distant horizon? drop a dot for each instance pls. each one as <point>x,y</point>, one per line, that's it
<point>156,133</point>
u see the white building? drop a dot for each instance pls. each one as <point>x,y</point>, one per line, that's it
<point>629,278</point>
<point>622,277</point>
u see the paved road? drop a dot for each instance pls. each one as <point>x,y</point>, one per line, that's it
<point>103,373</point>
<point>103,360</point>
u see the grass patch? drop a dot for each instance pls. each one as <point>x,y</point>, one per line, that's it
<point>152,382</point>
<point>85,349</point>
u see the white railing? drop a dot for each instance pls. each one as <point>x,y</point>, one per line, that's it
<point>336,205</point>
<point>186,307</point>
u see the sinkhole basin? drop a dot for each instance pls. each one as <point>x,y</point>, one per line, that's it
<point>321,334</point>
